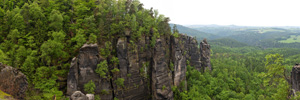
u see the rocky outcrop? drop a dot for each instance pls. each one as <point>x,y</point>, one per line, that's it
<point>133,59</point>
<point>161,75</point>
<point>82,71</point>
<point>205,55</point>
<point>148,70</point>
<point>295,79</point>
<point>13,81</point>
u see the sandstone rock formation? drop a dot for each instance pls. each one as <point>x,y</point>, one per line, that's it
<point>161,76</point>
<point>12,81</point>
<point>78,95</point>
<point>82,70</point>
<point>148,71</point>
<point>205,55</point>
<point>295,79</point>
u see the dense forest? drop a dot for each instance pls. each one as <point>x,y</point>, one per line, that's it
<point>40,38</point>
<point>263,37</point>
<point>246,65</point>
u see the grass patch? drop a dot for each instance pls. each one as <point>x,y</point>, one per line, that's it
<point>264,30</point>
<point>292,39</point>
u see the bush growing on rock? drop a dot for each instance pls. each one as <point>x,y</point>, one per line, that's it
<point>102,69</point>
<point>120,82</point>
<point>90,87</point>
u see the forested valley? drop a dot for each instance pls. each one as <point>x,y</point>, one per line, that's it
<point>40,38</point>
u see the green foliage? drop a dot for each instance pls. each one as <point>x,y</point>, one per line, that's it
<point>56,20</point>
<point>46,82</point>
<point>163,87</point>
<point>79,39</point>
<point>92,39</point>
<point>52,49</point>
<point>115,70</point>
<point>102,69</point>
<point>105,92</point>
<point>171,66</point>
<point>40,37</point>
<point>3,57</point>
<point>120,82</point>
<point>128,75</point>
<point>143,69</point>
<point>105,52</point>
<point>292,39</point>
<point>90,87</point>
<point>180,95</point>
<point>97,97</point>
<point>114,60</point>
<point>243,73</point>
<point>115,98</point>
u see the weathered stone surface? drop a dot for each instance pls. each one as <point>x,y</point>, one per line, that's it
<point>193,53</point>
<point>83,70</point>
<point>78,95</point>
<point>146,70</point>
<point>13,81</point>
<point>161,75</point>
<point>184,48</point>
<point>295,79</point>
<point>135,84</point>
<point>178,58</point>
<point>91,96</point>
<point>205,55</point>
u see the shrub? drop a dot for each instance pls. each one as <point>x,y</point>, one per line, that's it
<point>89,87</point>
<point>102,69</point>
<point>92,38</point>
<point>120,82</point>
<point>115,70</point>
<point>114,60</point>
<point>97,97</point>
<point>105,92</point>
<point>171,66</point>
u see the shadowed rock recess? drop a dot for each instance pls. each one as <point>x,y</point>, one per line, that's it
<point>149,72</point>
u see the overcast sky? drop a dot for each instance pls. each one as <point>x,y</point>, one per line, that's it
<point>229,12</point>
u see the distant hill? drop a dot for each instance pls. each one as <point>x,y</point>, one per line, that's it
<point>263,37</point>
<point>229,30</point>
<point>192,32</point>
<point>227,42</point>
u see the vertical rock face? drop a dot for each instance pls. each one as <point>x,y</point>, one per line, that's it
<point>295,78</point>
<point>161,76</point>
<point>149,72</point>
<point>205,55</point>
<point>178,60</point>
<point>194,53</point>
<point>82,70</point>
<point>184,48</point>
<point>133,69</point>
<point>13,81</point>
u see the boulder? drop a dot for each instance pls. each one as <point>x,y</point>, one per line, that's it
<point>78,95</point>
<point>91,96</point>
<point>13,81</point>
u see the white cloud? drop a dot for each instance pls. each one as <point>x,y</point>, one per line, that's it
<point>228,12</point>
